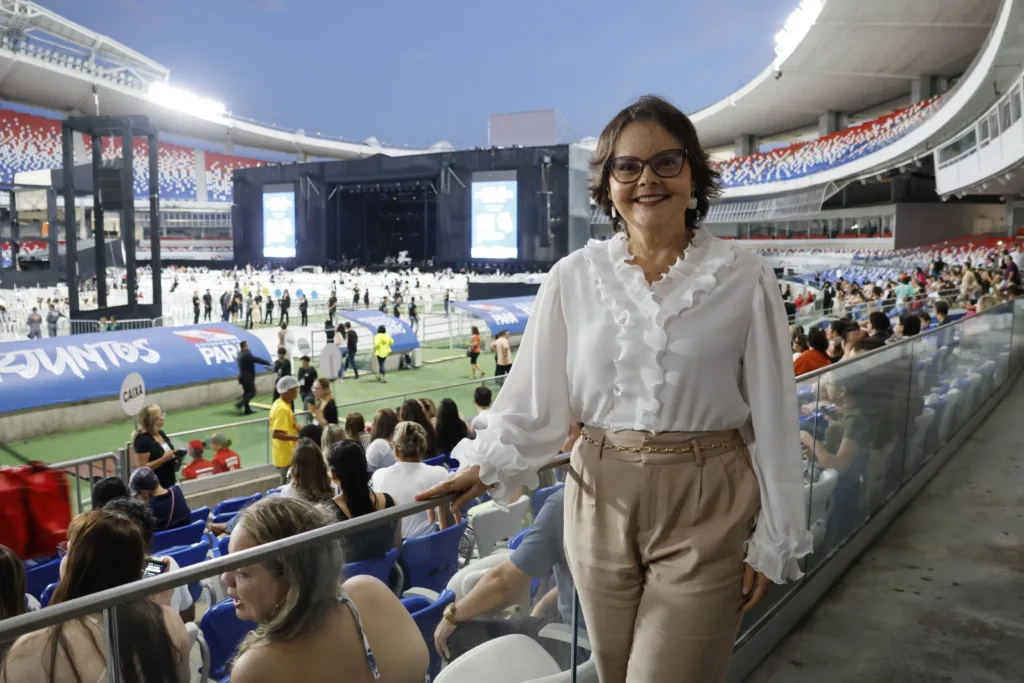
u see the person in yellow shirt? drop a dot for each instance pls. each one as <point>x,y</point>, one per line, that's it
<point>283,430</point>
<point>382,342</point>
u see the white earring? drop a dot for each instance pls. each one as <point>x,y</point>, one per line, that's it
<point>613,213</point>
<point>693,202</point>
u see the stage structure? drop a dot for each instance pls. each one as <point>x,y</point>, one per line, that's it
<point>112,187</point>
<point>475,207</point>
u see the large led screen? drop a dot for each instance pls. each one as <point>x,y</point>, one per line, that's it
<point>495,230</point>
<point>278,222</point>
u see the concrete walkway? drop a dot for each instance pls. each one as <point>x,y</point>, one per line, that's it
<point>940,596</point>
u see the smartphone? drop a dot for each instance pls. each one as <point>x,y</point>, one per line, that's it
<point>153,568</point>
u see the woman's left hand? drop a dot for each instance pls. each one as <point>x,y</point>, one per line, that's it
<point>755,586</point>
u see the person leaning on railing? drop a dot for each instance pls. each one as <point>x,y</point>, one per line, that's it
<point>308,621</point>
<point>153,448</point>
<point>671,346</point>
<point>104,550</point>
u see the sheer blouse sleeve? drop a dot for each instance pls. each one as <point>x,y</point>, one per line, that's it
<point>530,418</point>
<point>772,435</point>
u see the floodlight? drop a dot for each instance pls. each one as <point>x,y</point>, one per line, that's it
<point>184,101</point>
<point>795,28</point>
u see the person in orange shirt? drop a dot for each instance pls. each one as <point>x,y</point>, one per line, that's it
<point>199,466</point>
<point>224,459</point>
<point>815,357</point>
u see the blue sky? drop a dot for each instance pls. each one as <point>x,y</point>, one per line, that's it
<point>415,73</point>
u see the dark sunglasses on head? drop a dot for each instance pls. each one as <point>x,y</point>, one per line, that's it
<point>667,164</point>
<point>62,549</point>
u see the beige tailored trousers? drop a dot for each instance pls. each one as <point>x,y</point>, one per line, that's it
<point>654,539</point>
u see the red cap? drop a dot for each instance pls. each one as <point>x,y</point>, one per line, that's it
<point>195,444</point>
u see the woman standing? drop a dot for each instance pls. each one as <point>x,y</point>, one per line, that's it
<point>382,342</point>
<point>304,311</point>
<point>324,410</point>
<point>153,447</point>
<point>671,346</point>
<point>474,352</point>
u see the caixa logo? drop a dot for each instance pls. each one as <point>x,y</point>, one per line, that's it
<point>216,346</point>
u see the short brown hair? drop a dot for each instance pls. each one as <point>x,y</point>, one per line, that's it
<point>355,425</point>
<point>706,186</point>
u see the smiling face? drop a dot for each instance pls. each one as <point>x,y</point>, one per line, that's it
<point>254,591</point>
<point>650,203</point>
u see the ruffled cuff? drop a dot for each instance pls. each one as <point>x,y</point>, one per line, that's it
<point>777,558</point>
<point>501,466</point>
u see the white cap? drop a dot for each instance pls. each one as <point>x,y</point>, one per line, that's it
<point>285,383</point>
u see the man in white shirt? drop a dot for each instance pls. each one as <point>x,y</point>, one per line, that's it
<point>409,476</point>
<point>482,401</point>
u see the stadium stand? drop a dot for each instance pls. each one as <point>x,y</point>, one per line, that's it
<point>32,143</point>
<point>806,158</point>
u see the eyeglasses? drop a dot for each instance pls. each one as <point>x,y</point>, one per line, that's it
<point>62,549</point>
<point>667,164</point>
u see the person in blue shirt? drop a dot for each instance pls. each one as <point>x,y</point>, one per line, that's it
<point>167,505</point>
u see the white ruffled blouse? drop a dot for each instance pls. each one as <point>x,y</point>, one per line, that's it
<point>705,348</point>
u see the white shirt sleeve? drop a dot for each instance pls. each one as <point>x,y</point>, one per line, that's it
<point>773,437</point>
<point>530,418</point>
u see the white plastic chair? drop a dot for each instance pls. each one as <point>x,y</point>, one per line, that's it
<point>819,502</point>
<point>195,637</point>
<point>493,525</point>
<point>518,659</point>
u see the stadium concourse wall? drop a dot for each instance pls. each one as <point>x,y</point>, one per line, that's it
<point>61,384</point>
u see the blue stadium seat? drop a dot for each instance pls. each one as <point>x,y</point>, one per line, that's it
<point>189,555</point>
<point>224,518</point>
<point>186,535</point>
<point>540,496</point>
<point>433,559</point>
<point>439,461</point>
<point>202,513</point>
<point>517,540</point>
<point>427,616</point>
<point>39,577</point>
<point>380,569</point>
<point>221,549</point>
<point>235,504</point>
<point>47,595</point>
<point>223,631</point>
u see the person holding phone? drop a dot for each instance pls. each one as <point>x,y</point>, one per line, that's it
<point>154,448</point>
<point>178,599</point>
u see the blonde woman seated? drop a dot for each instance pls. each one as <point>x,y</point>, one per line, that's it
<point>312,628</point>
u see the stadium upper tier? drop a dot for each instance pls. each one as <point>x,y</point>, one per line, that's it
<point>51,62</point>
<point>805,158</point>
<point>848,55</point>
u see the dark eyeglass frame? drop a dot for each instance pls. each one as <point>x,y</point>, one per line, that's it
<point>644,163</point>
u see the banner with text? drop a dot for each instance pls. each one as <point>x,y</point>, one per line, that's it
<point>45,372</point>
<point>400,331</point>
<point>510,313</point>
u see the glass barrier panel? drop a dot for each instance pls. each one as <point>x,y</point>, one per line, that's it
<point>923,406</point>
<point>859,441</point>
<point>812,421</point>
<point>1017,351</point>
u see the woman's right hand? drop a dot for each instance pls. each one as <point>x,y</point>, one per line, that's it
<point>465,484</point>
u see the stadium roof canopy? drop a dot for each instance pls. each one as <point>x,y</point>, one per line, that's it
<point>856,54</point>
<point>51,62</point>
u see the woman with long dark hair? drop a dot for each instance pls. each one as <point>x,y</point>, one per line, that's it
<point>348,471</point>
<point>671,346</point>
<point>307,478</point>
<point>451,428</point>
<point>12,589</point>
<point>379,453</point>
<point>104,550</point>
<point>412,411</point>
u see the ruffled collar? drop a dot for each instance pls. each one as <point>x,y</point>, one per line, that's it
<point>691,274</point>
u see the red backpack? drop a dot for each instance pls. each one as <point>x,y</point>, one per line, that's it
<point>35,508</point>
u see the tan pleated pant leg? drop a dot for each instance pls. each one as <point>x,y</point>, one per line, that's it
<point>655,546</point>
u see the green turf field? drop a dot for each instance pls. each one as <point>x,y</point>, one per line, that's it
<point>441,367</point>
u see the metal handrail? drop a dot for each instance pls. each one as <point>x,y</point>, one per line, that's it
<point>119,595</point>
